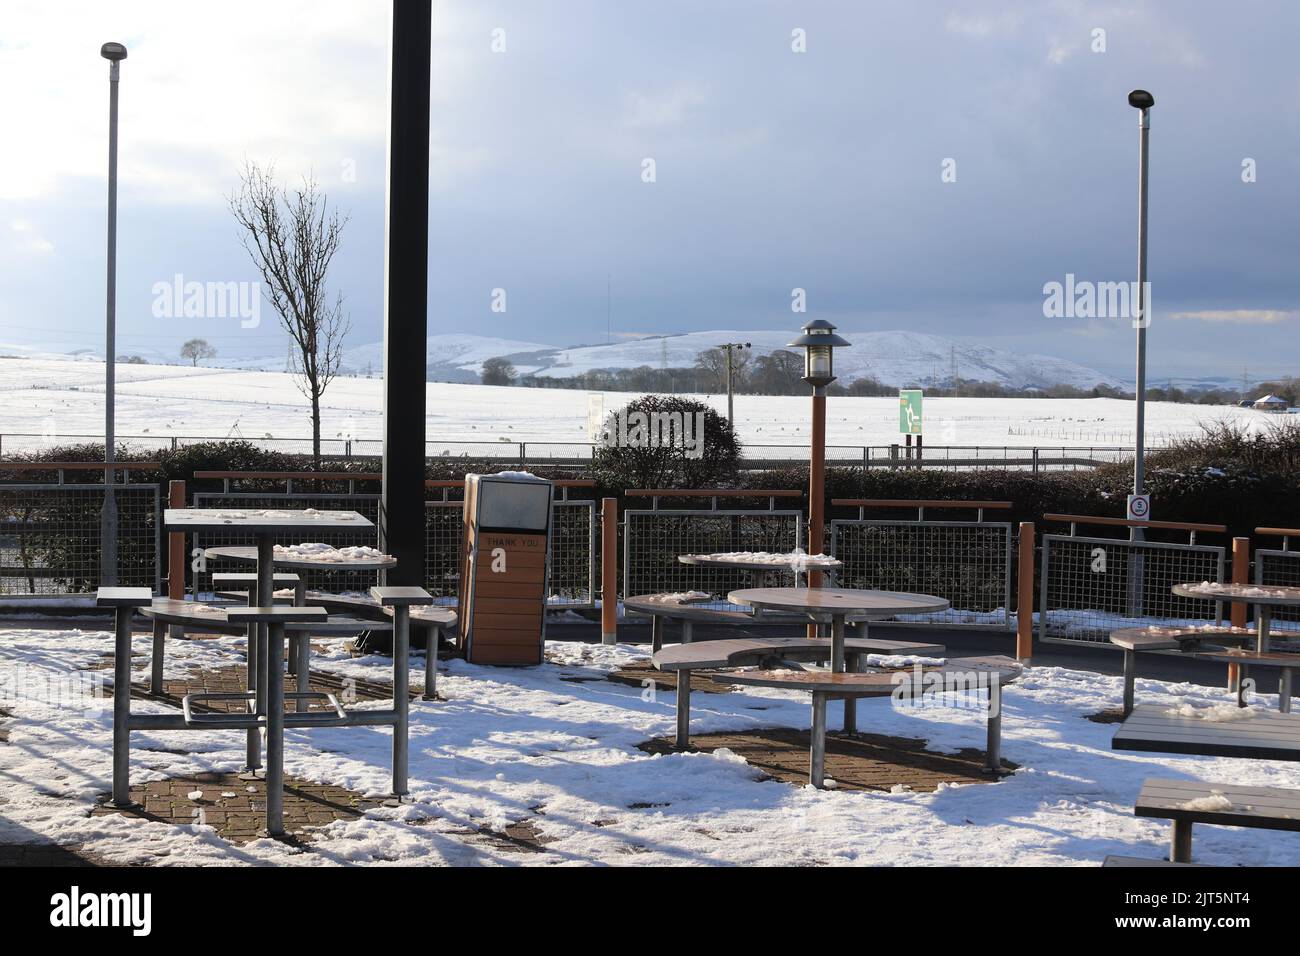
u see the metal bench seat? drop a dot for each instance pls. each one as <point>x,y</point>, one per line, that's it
<point>961,674</point>
<point>1185,802</point>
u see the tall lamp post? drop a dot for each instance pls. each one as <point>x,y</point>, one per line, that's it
<point>729,348</point>
<point>818,342</point>
<point>1142,101</point>
<point>115,53</point>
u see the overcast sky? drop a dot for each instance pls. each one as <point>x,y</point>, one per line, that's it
<point>774,169</point>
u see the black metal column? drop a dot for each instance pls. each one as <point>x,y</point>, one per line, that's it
<point>406,267</point>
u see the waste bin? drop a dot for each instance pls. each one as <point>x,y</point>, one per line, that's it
<point>505,567</point>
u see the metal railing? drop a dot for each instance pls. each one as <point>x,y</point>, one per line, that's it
<point>1090,586</point>
<point>970,563</point>
<point>1279,567</point>
<point>504,449</point>
<point>654,537</point>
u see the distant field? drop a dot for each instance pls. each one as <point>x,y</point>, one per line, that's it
<point>57,399</point>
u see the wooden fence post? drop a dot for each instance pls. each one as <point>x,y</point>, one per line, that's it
<point>1025,595</point>
<point>1240,573</point>
<point>609,570</point>
<point>176,545</point>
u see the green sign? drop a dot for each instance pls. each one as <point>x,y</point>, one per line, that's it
<point>909,411</point>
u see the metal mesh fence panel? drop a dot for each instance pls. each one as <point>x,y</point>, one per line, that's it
<point>1092,586</point>
<point>652,540</point>
<point>50,537</point>
<point>443,534</point>
<point>573,554</point>
<point>1279,568</point>
<point>329,579</point>
<point>968,563</point>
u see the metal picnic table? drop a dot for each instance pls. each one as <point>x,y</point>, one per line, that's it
<point>266,701</point>
<point>265,525</point>
<point>839,604</point>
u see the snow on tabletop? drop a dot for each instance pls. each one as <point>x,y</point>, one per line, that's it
<point>1216,713</point>
<point>681,597</point>
<point>510,740</point>
<point>902,660</point>
<point>328,554</point>
<point>1215,801</point>
<point>270,513</point>
<point>795,559</point>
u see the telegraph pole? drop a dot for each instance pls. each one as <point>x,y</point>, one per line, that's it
<point>728,348</point>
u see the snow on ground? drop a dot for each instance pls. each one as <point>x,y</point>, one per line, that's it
<point>48,399</point>
<point>511,741</point>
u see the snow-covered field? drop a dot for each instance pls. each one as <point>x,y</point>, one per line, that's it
<point>521,743</point>
<point>51,400</point>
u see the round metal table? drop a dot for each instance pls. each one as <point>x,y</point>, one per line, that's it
<point>837,605</point>
<point>1263,598</point>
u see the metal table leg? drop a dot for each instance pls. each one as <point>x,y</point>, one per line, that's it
<point>851,703</point>
<point>1180,842</point>
<point>275,732</point>
<point>656,633</point>
<point>253,744</point>
<point>1262,624</point>
<point>993,749</point>
<point>434,636</point>
<point>1284,690</point>
<point>688,631</point>
<point>296,639</point>
<point>1130,676</point>
<point>817,756</point>
<point>265,598</point>
<point>122,706</point>
<point>837,643</point>
<point>683,709</point>
<point>401,695</point>
<point>303,669</point>
<point>156,670</point>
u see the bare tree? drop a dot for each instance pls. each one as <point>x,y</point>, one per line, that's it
<point>197,349</point>
<point>292,236</point>
<point>498,371</point>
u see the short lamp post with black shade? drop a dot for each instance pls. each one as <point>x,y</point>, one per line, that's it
<point>818,342</point>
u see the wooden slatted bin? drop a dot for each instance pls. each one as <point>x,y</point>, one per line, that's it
<point>505,568</point>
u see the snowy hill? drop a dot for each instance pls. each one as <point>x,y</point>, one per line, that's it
<point>894,358</point>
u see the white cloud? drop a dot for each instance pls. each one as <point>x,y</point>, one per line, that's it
<point>1240,316</point>
<point>661,109</point>
<point>201,87</point>
<point>983,26</point>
